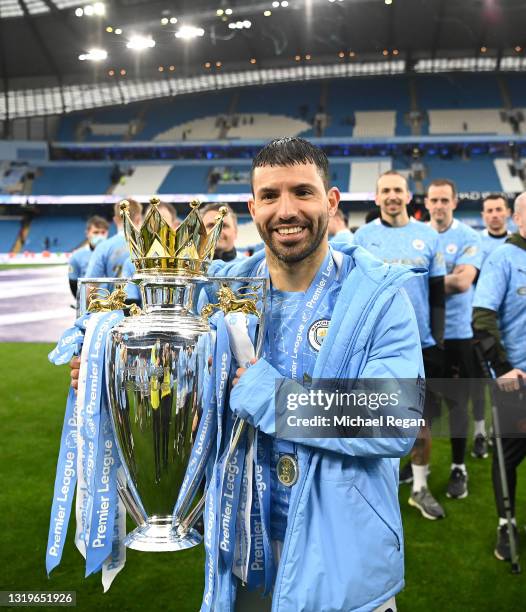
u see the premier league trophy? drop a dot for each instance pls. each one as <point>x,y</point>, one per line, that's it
<point>156,365</point>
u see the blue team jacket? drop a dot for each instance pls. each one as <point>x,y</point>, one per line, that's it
<point>343,547</point>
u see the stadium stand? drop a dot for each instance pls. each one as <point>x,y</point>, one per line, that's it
<point>468,121</point>
<point>114,124</point>
<point>453,91</point>
<point>9,228</point>
<point>374,124</point>
<point>206,128</point>
<point>509,182</point>
<point>247,234</point>
<point>12,177</point>
<point>79,179</point>
<point>370,94</point>
<point>143,180</point>
<point>164,115</point>
<point>264,126</point>
<point>364,174</point>
<point>185,179</point>
<point>516,89</point>
<point>57,233</point>
<point>469,175</point>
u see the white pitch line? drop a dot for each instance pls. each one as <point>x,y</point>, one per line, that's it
<point>32,317</point>
<point>37,270</point>
<point>26,291</point>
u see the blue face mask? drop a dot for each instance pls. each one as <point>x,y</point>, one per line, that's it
<point>95,240</point>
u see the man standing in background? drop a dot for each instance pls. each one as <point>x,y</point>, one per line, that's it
<point>395,238</point>
<point>495,214</point>
<point>226,245</point>
<point>499,321</point>
<point>461,248</point>
<point>96,232</point>
<point>109,257</point>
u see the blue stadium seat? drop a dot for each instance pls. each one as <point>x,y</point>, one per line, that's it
<point>186,179</point>
<point>64,233</point>
<point>517,88</point>
<point>72,180</point>
<point>8,232</point>
<point>447,91</point>
<point>473,175</point>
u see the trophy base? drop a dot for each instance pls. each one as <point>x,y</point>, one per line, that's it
<point>159,535</point>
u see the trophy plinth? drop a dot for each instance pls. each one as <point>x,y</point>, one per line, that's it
<point>158,534</point>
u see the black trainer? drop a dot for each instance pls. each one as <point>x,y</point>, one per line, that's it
<point>457,487</point>
<point>480,447</point>
<point>405,475</point>
<point>502,548</point>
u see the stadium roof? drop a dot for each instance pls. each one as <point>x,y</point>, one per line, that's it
<point>41,40</point>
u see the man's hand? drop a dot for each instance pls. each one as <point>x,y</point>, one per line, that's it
<point>240,372</point>
<point>512,380</point>
<point>74,364</point>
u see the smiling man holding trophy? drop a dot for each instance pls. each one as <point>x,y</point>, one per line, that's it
<point>309,523</point>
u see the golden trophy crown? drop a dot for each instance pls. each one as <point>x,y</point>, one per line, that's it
<point>157,249</point>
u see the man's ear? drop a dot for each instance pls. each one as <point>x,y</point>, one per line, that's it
<point>251,207</point>
<point>333,196</point>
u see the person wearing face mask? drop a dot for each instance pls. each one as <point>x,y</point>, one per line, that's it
<point>110,256</point>
<point>96,232</point>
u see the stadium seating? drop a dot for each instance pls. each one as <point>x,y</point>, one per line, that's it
<point>75,179</point>
<point>509,183</point>
<point>454,91</point>
<point>369,94</point>
<point>9,229</point>
<point>99,125</point>
<point>247,233</point>
<point>165,115</point>
<point>469,175</point>
<point>517,89</point>
<point>64,234</point>
<point>186,179</point>
<point>365,173</point>
<point>11,177</point>
<point>144,180</point>
<point>468,121</point>
<point>348,104</point>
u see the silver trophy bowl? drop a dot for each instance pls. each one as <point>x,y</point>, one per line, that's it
<point>156,367</point>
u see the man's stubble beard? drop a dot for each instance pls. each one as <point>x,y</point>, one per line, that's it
<point>304,253</point>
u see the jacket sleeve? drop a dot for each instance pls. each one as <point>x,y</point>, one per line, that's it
<point>393,352</point>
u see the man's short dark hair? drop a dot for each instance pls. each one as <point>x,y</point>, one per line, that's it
<point>496,196</point>
<point>291,151</point>
<point>216,206</point>
<point>444,183</point>
<point>97,221</point>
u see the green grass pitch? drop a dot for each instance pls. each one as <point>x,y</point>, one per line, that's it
<point>449,563</point>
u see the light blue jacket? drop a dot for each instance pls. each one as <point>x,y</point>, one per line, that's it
<point>343,547</point>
